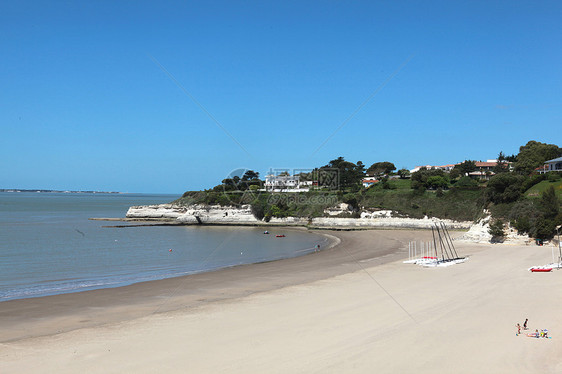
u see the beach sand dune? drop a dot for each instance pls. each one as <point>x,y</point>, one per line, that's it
<point>360,312</point>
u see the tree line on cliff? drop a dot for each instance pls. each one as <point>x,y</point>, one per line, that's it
<point>428,192</point>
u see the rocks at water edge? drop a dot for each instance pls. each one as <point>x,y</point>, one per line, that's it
<point>215,214</point>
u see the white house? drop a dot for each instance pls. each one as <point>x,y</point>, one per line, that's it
<point>553,165</point>
<point>305,184</point>
<point>448,167</point>
<point>286,183</point>
<point>368,182</point>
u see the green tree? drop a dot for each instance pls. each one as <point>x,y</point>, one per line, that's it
<point>436,181</point>
<point>534,154</point>
<point>512,158</point>
<point>496,229</point>
<point>544,228</point>
<point>403,173</point>
<point>350,174</point>
<point>502,166</point>
<point>381,168</point>
<point>553,176</point>
<point>359,172</point>
<point>466,167</point>
<point>231,184</point>
<point>550,204</point>
<point>360,167</point>
<point>429,178</point>
<point>250,175</point>
<point>419,178</point>
<point>504,188</point>
<point>466,182</point>
<point>454,173</point>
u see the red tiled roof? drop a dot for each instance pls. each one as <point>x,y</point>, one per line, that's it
<point>480,164</point>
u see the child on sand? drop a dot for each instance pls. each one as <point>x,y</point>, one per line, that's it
<point>525,324</point>
<point>518,330</point>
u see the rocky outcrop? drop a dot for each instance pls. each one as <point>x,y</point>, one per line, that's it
<point>479,233</point>
<point>384,222</point>
<point>194,214</point>
<point>218,214</point>
<point>337,210</point>
<point>159,212</point>
<point>242,215</point>
<point>336,218</point>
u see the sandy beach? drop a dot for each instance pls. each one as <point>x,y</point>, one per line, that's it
<point>353,308</point>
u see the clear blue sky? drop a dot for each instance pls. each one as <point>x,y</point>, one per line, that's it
<point>84,105</point>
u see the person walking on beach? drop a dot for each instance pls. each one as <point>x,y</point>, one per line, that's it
<point>518,330</point>
<point>525,323</point>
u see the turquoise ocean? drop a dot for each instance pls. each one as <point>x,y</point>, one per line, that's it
<point>49,246</point>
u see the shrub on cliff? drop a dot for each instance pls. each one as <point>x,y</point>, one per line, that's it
<point>550,203</point>
<point>429,178</point>
<point>504,188</point>
<point>466,183</point>
<point>497,230</point>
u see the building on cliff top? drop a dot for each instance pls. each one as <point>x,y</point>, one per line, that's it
<point>552,165</point>
<point>286,183</point>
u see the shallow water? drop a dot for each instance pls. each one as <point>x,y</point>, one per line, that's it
<point>48,245</point>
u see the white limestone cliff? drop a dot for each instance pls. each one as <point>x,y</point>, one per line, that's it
<point>162,211</point>
<point>215,214</point>
<point>479,233</point>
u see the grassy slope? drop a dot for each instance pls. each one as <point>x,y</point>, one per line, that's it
<point>452,204</point>
<point>539,188</point>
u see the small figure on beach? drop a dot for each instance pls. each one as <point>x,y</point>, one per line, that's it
<point>518,330</point>
<point>534,334</point>
<point>525,324</point>
<point>317,248</point>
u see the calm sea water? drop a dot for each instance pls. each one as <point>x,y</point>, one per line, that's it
<point>48,246</point>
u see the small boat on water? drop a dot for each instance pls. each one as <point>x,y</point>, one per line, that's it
<point>266,232</point>
<point>279,236</point>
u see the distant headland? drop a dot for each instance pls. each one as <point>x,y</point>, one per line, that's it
<point>54,191</point>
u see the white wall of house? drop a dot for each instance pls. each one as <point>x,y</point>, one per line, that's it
<point>279,183</point>
<point>554,165</point>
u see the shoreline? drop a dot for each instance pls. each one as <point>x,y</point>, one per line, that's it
<point>348,309</point>
<point>139,222</point>
<point>53,314</point>
<point>331,241</point>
